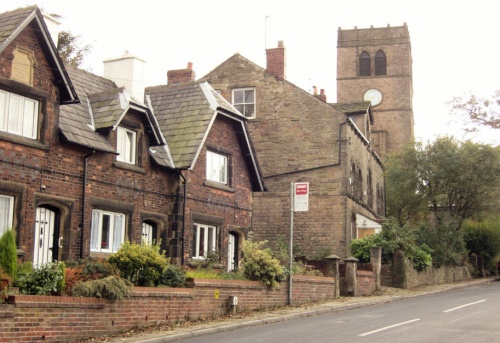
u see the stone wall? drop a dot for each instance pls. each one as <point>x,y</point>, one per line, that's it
<point>431,276</point>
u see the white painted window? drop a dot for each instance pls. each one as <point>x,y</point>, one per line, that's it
<point>126,145</point>
<point>6,213</point>
<point>244,101</point>
<point>204,240</point>
<point>216,167</point>
<point>108,231</point>
<point>18,115</point>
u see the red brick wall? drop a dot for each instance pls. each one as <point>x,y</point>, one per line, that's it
<point>56,319</point>
<point>27,165</point>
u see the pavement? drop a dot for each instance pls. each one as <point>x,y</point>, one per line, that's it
<point>205,327</point>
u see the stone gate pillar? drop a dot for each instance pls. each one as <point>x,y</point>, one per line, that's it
<point>351,268</point>
<point>333,260</point>
<point>376,261</point>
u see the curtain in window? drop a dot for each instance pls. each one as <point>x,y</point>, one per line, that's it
<point>117,232</point>
<point>5,215</point>
<point>94,234</point>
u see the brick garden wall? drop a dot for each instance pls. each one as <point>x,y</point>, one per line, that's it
<point>28,318</point>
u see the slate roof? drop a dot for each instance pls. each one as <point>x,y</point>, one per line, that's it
<point>14,22</point>
<point>186,112</point>
<point>354,108</point>
<point>102,106</point>
<point>75,121</point>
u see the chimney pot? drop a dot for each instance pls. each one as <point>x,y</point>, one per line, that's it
<point>190,65</point>
<point>315,90</point>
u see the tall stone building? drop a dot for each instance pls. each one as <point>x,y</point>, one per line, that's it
<point>375,65</point>
<point>300,137</point>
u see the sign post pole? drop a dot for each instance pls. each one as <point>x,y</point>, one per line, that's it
<point>292,190</point>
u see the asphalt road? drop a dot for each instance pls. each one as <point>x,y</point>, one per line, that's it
<point>466,315</point>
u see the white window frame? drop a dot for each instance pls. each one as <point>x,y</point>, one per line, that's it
<point>116,231</point>
<point>6,213</point>
<point>18,115</point>
<point>204,240</point>
<point>242,105</point>
<point>217,167</point>
<point>126,145</point>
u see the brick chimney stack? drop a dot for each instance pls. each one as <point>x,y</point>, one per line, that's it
<point>181,75</point>
<point>276,61</point>
<point>321,96</point>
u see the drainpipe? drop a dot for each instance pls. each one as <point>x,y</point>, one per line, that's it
<point>183,216</point>
<point>84,197</point>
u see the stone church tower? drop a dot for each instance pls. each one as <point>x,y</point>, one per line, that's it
<point>375,65</point>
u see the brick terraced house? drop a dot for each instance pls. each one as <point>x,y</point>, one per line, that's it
<point>300,137</point>
<point>88,162</point>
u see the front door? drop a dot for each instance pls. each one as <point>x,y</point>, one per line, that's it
<point>46,240</point>
<point>232,252</point>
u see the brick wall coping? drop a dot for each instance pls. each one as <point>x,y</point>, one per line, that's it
<point>224,283</point>
<point>313,279</point>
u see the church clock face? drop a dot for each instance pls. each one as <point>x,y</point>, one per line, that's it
<point>374,96</point>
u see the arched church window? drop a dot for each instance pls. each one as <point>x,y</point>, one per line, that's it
<point>380,63</point>
<point>365,64</point>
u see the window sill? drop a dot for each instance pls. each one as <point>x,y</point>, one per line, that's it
<point>128,166</point>
<point>23,141</point>
<point>218,185</point>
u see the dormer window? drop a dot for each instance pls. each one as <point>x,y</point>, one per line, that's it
<point>244,101</point>
<point>18,115</point>
<point>216,167</point>
<point>126,144</point>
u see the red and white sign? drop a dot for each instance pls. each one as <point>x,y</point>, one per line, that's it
<point>301,196</point>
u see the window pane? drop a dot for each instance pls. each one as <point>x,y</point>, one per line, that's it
<point>201,240</point>
<point>118,232</point>
<point>240,108</point>
<point>3,111</point>
<point>6,213</point>
<point>195,241</point>
<point>29,122</point>
<point>105,231</point>
<point>249,98</point>
<point>211,239</point>
<point>238,97</point>
<point>94,235</point>
<point>15,114</point>
<point>249,111</point>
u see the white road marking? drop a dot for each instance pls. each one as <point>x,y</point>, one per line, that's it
<point>389,327</point>
<point>459,307</point>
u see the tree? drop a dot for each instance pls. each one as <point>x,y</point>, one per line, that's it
<point>70,49</point>
<point>457,180</point>
<point>403,201</point>
<point>478,111</point>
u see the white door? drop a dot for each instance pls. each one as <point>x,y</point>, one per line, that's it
<point>44,236</point>
<point>231,252</point>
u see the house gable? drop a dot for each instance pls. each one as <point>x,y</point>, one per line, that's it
<point>14,23</point>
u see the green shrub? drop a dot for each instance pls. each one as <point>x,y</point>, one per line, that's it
<point>48,279</point>
<point>392,238</point>
<point>172,277</point>
<point>111,287</point>
<point>483,239</point>
<point>8,253</point>
<point>260,265</point>
<point>446,241</point>
<point>141,264</point>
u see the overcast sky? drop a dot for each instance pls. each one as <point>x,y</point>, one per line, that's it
<point>454,43</point>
